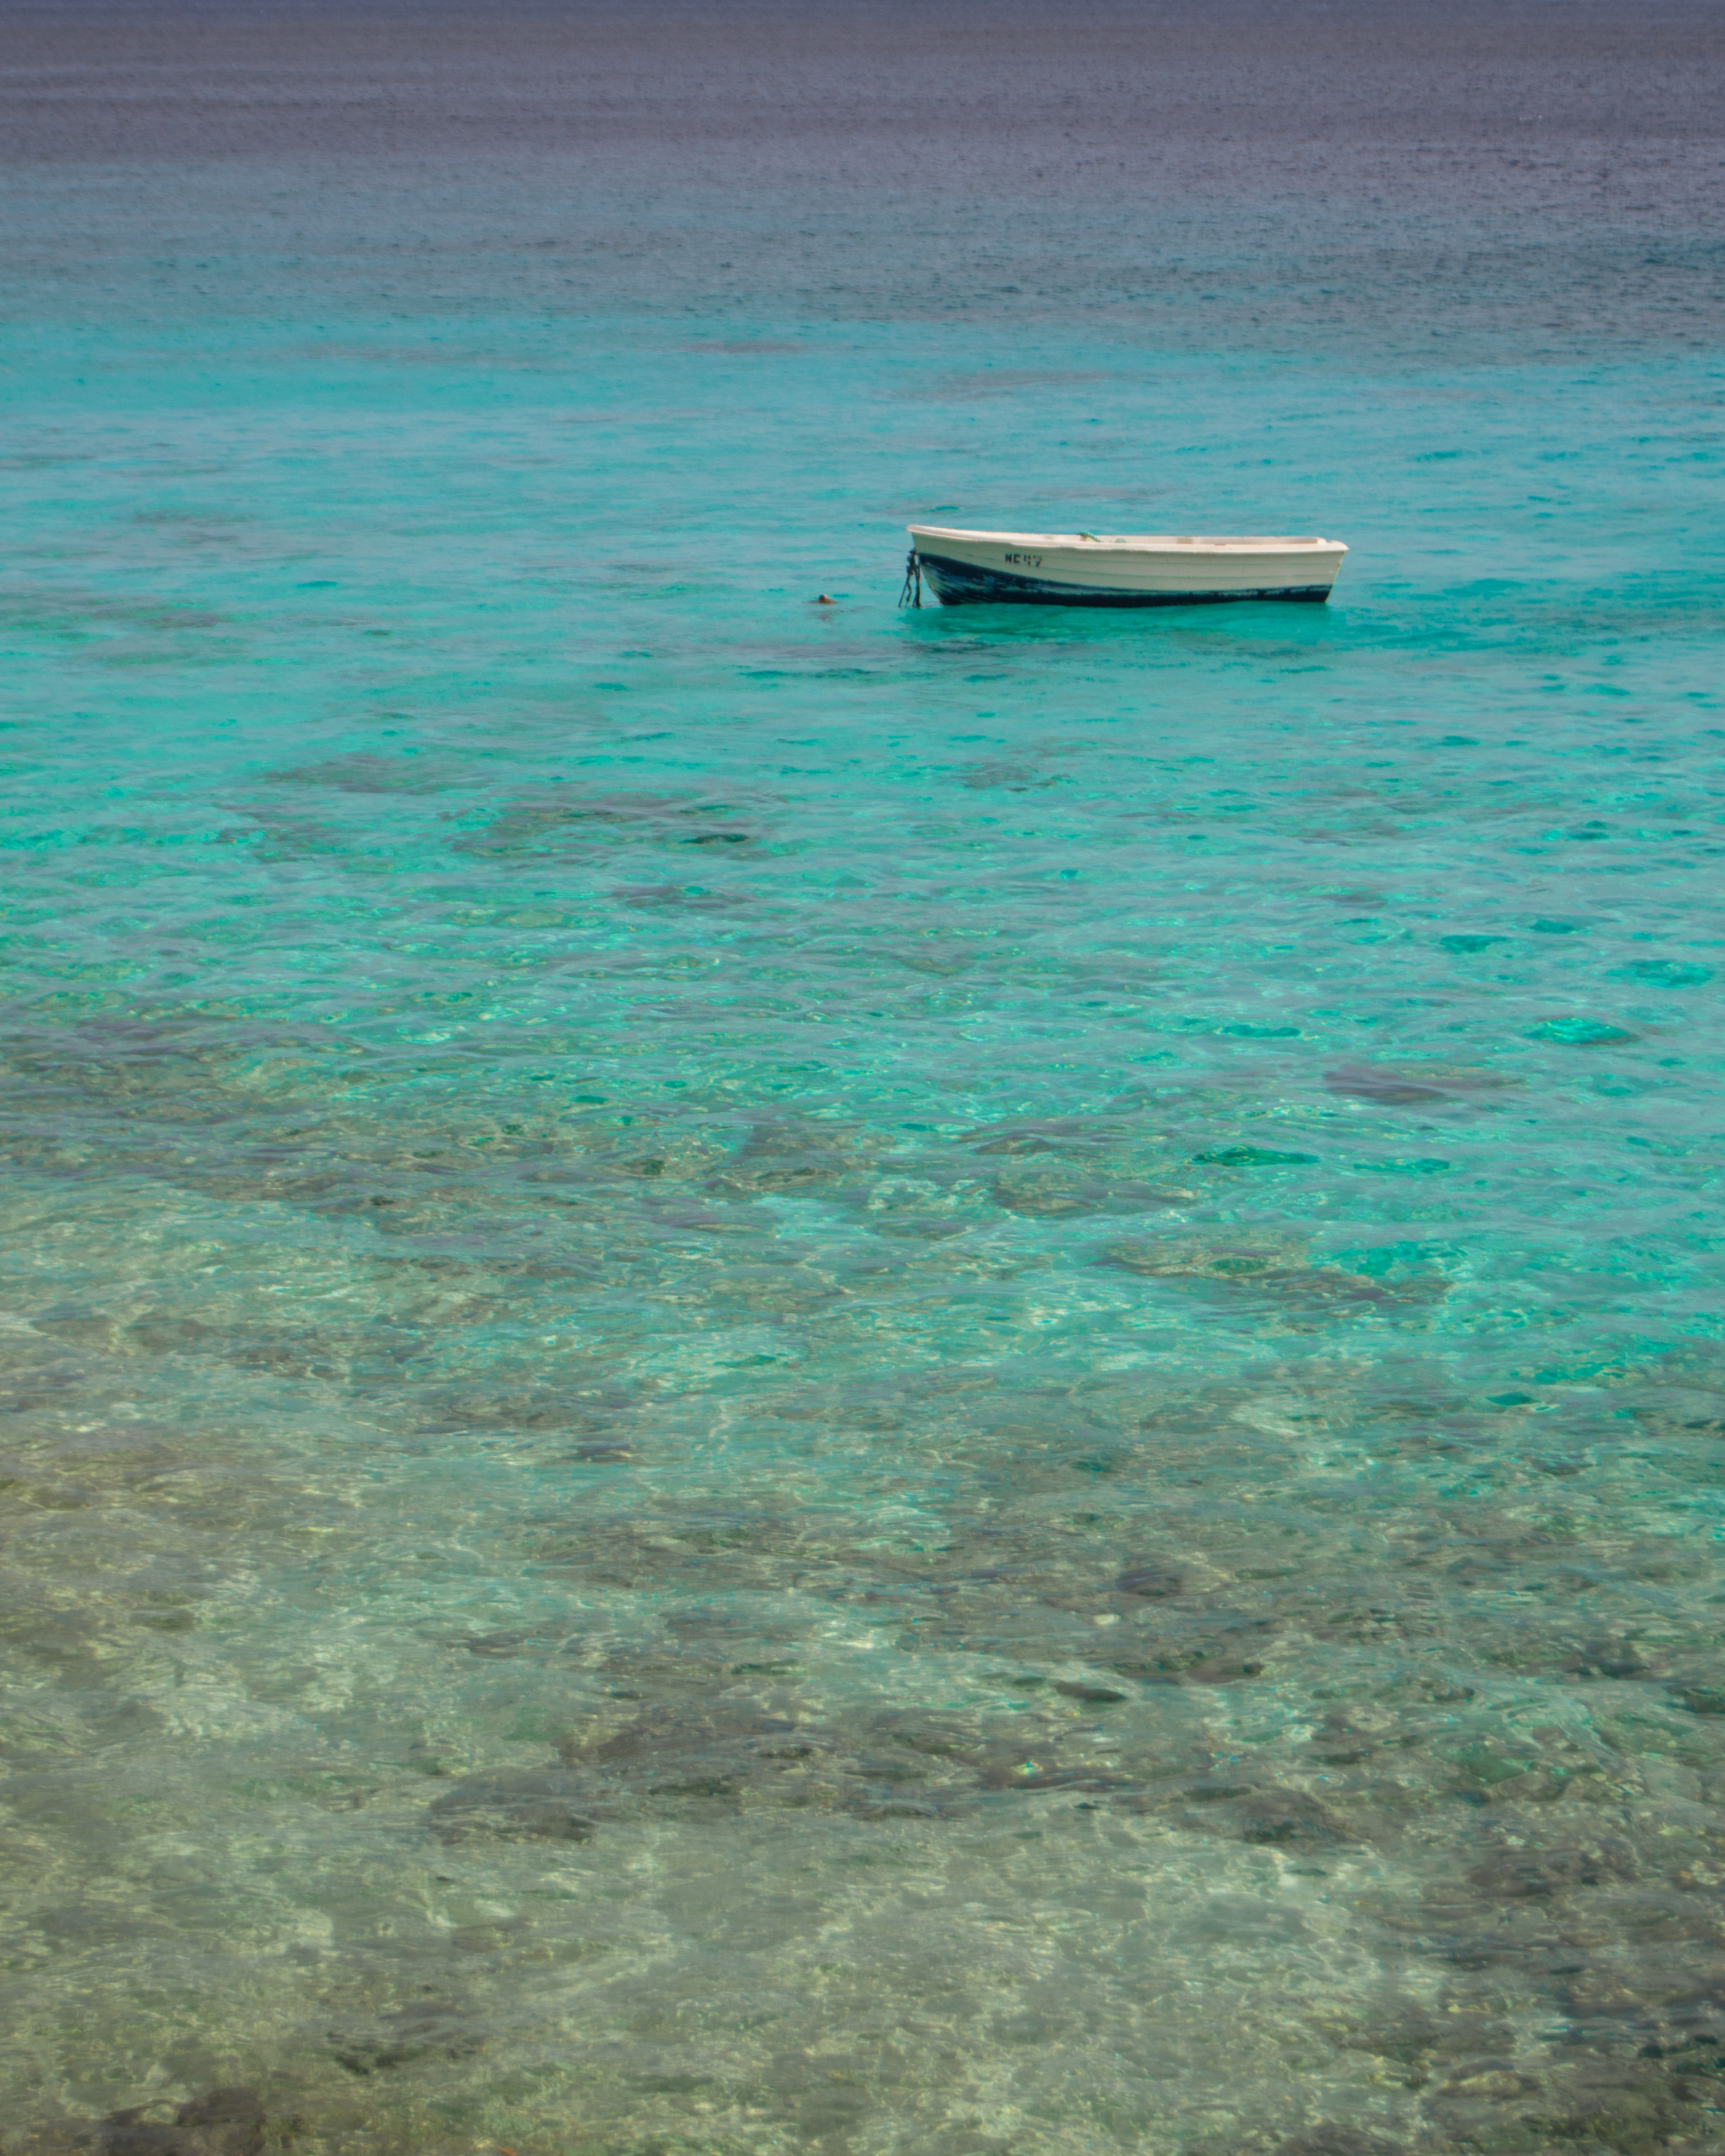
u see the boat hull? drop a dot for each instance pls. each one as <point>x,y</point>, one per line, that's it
<point>1077,569</point>
<point>967,584</point>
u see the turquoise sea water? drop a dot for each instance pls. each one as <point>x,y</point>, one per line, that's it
<point>788,1378</point>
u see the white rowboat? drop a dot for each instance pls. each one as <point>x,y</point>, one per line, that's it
<point>1076,568</point>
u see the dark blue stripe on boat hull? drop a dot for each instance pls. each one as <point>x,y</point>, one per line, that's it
<point>961,583</point>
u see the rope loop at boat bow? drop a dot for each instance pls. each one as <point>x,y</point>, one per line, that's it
<point>912,595</point>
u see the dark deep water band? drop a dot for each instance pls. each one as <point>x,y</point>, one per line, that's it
<point>960,584</point>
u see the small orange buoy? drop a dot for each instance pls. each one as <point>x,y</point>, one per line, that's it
<point>823,600</point>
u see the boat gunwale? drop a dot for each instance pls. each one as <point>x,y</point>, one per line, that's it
<point>1182,548</point>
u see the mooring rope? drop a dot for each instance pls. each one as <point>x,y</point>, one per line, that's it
<point>912,595</point>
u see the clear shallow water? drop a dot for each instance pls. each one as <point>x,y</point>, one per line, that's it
<point>796,1379</point>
